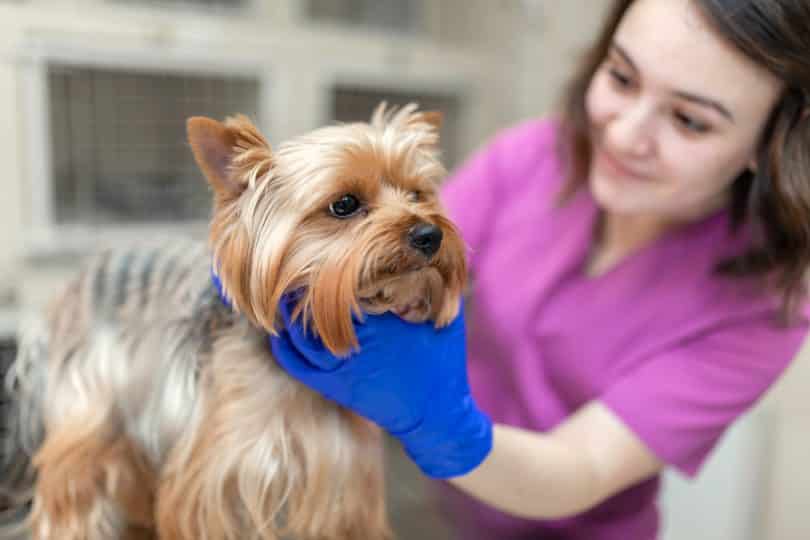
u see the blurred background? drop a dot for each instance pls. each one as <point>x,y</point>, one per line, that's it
<point>93,100</point>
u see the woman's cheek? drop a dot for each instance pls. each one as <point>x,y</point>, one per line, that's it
<point>599,101</point>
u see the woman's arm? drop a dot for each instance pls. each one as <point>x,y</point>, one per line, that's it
<point>585,460</point>
<point>411,380</point>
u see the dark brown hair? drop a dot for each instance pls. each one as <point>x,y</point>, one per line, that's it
<point>775,200</point>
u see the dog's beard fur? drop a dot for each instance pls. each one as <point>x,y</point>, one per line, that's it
<point>150,409</point>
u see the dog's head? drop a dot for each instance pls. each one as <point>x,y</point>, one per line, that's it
<point>347,216</point>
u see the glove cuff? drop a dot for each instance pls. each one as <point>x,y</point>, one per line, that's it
<point>453,448</point>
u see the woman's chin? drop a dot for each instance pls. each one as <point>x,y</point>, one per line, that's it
<point>612,197</point>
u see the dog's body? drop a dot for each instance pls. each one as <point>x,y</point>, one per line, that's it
<point>151,409</point>
<point>157,391</point>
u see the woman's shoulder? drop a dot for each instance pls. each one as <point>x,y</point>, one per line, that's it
<point>527,140</point>
<point>526,152</point>
<point>539,130</point>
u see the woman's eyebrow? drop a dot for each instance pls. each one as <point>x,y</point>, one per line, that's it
<point>682,94</point>
<point>706,102</point>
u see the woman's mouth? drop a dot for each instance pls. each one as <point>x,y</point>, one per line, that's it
<point>615,167</point>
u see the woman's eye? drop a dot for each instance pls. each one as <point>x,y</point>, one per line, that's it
<point>620,79</point>
<point>690,124</point>
<point>344,207</point>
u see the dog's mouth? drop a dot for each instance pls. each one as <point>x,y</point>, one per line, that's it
<point>413,293</point>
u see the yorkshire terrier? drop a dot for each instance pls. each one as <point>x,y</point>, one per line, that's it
<point>148,406</point>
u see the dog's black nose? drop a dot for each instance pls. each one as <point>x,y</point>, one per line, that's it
<point>426,238</point>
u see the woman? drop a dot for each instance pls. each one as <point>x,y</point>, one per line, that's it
<point>638,271</point>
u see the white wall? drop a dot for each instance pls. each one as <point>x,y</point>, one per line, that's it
<point>11,183</point>
<point>725,501</point>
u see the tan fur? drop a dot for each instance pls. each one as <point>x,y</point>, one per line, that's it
<point>150,410</point>
<point>93,483</point>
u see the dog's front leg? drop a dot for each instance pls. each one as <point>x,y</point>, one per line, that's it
<point>92,484</point>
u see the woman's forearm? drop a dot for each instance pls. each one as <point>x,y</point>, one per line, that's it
<point>566,471</point>
<point>532,475</point>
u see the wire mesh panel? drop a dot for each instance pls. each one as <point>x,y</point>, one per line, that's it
<point>400,15</point>
<point>119,145</point>
<point>203,3</point>
<point>211,3</point>
<point>352,104</point>
<point>8,350</point>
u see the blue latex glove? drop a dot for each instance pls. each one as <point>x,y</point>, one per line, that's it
<point>410,379</point>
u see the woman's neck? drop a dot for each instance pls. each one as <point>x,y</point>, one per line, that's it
<point>618,236</point>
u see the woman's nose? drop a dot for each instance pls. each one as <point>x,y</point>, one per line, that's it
<point>631,131</point>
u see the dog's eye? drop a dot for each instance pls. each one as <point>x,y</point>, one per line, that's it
<point>415,196</point>
<point>345,207</point>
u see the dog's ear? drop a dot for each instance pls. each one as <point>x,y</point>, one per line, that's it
<point>434,119</point>
<point>428,124</point>
<point>230,155</point>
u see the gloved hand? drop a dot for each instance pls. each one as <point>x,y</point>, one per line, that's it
<point>410,379</point>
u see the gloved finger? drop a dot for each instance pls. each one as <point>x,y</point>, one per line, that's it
<point>291,359</point>
<point>380,326</point>
<point>458,324</point>
<point>308,345</point>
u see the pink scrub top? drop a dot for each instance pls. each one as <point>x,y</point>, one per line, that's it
<point>674,350</point>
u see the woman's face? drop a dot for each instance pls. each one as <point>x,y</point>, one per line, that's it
<point>676,114</point>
